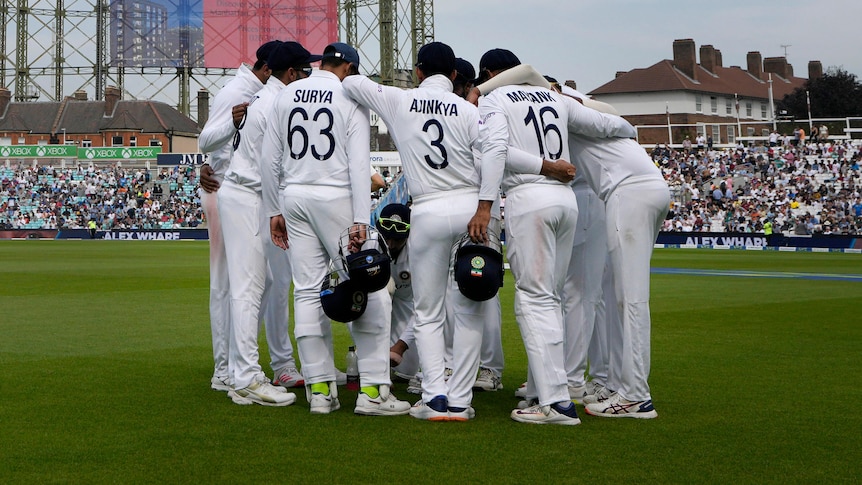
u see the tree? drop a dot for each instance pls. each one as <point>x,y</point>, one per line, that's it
<point>837,94</point>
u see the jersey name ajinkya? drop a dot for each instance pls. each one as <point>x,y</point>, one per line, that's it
<point>312,96</point>
<point>433,107</point>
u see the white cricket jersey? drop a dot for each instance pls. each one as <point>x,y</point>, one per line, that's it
<point>536,120</point>
<point>434,129</point>
<point>318,136</point>
<point>607,163</point>
<point>219,129</point>
<point>245,168</point>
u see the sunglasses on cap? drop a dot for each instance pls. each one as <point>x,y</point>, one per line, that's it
<point>236,136</point>
<point>304,69</point>
<point>394,225</point>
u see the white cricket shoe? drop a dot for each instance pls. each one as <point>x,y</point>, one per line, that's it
<point>385,404</point>
<point>461,414</point>
<point>260,391</point>
<point>553,414</point>
<point>487,380</point>
<point>288,377</point>
<point>220,383</point>
<point>434,410</point>
<point>323,404</point>
<point>617,406</point>
<point>415,384</point>
<point>521,391</point>
<point>599,393</point>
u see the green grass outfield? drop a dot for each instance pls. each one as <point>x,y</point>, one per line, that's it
<point>105,360</point>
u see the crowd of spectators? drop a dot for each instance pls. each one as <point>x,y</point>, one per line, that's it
<point>792,187</point>
<point>115,197</point>
<point>798,188</point>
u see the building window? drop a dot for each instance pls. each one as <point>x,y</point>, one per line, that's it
<point>117,141</point>
<point>701,130</point>
<point>713,104</point>
<point>748,109</point>
<point>133,141</point>
<point>698,103</point>
<point>750,130</point>
<point>763,110</point>
<point>731,134</point>
<point>71,142</point>
<point>728,106</point>
<point>764,132</point>
<point>155,143</point>
<point>22,140</point>
<point>86,143</point>
<point>716,134</point>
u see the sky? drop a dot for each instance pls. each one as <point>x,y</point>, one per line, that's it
<point>588,41</point>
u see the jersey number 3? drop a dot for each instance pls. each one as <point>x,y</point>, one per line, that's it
<point>436,143</point>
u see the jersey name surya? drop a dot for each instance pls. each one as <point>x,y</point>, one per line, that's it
<point>312,96</point>
<point>433,107</point>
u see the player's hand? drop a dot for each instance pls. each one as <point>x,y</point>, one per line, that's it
<point>238,112</point>
<point>558,169</point>
<point>358,234</point>
<point>278,231</point>
<point>477,228</point>
<point>208,180</point>
<point>473,95</point>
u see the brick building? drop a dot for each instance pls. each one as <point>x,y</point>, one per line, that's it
<point>702,98</point>
<point>111,122</point>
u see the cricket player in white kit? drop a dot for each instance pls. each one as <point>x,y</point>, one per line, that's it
<point>240,202</point>
<point>541,218</point>
<point>436,131</point>
<point>225,116</point>
<point>317,147</point>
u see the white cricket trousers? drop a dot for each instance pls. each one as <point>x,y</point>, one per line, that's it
<point>436,223</point>
<point>582,291</point>
<point>219,286</point>
<point>403,323</point>
<point>315,217</point>
<point>540,224</point>
<point>635,212</point>
<point>275,303</point>
<point>239,210</point>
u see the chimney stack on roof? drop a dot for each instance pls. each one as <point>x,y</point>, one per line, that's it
<point>718,62</point>
<point>5,99</point>
<point>815,69</point>
<point>112,97</point>
<point>755,64</point>
<point>572,84</point>
<point>80,95</point>
<point>707,58</point>
<point>779,66</point>
<point>684,57</point>
<point>203,107</point>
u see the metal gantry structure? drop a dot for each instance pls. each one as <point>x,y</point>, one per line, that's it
<point>63,46</point>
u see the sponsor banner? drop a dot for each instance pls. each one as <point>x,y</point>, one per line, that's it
<point>29,234</point>
<point>174,159</point>
<point>38,151</point>
<point>138,234</point>
<point>748,240</point>
<point>385,159</point>
<point>119,153</point>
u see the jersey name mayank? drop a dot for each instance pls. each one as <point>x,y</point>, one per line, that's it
<point>312,96</point>
<point>535,97</point>
<point>433,107</point>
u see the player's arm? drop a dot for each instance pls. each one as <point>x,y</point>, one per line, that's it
<point>376,97</point>
<point>493,140</point>
<point>589,122</point>
<point>358,149</point>
<point>226,117</point>
<point>271,176</point>
<point>520,161</point>
<point>520,74</point>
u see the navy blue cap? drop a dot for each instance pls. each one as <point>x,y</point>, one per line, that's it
<point>289,54</point>
<point>264,51</point>
<point>436,58</point>
<point>498,59</point>
<point>340,50</point>
<point>464,70</point>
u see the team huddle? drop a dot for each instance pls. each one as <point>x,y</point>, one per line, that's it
<point>287,194</point>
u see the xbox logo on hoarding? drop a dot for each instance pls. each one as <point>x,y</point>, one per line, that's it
<point>90,154</point>
<point>5,151</point>
<point>40,151</point>
<point>126,153</point>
